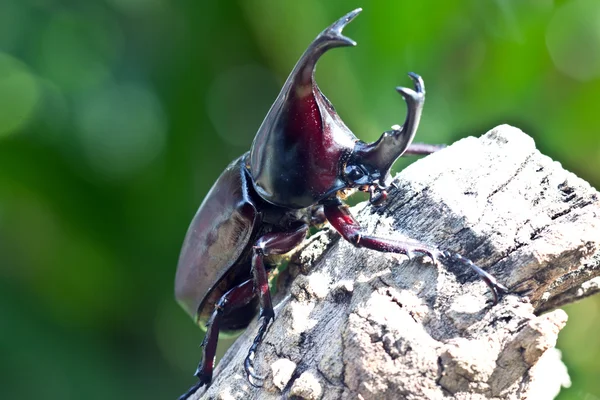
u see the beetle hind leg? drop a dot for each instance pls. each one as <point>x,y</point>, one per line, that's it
<point>342,220</point>
<point>269,244</point>
<point>193,389</point>
<point>235,298</point>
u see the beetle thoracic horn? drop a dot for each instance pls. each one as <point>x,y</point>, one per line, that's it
<point>382,154</point>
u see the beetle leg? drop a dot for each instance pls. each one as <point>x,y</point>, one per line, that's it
<point>342,220</point>
<point>269,244</point>
<point>237,297</point>
<point>422,149</point>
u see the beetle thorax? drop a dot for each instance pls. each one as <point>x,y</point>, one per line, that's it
<point>296,157</point>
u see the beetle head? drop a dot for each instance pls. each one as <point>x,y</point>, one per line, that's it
<point>368,167</point>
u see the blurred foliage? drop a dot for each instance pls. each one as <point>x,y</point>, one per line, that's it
<point>116,116</point>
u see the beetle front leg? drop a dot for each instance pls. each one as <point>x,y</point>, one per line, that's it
<point>239,296</point>
<point>269,244</point>
<point>341,219</point>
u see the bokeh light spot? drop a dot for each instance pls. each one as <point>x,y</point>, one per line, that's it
<point>123,128</point>
<point>54,114</point>
<point>137,6</point>
<point>76,54</point>
<point>19,94</point>
<point>13,24</point>
<point>238,100</point>
<point>573,39</point>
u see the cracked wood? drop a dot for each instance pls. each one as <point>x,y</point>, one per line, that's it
<point>354,323</point>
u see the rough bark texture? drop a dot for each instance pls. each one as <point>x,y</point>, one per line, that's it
<point>357,324</point>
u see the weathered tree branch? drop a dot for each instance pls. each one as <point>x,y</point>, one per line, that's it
<point>355,323</point>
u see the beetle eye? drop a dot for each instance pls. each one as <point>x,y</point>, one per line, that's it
<point>354,173</point>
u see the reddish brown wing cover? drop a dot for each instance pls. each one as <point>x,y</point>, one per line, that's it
<point>217,237</point>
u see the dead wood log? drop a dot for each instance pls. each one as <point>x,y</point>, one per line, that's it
<point>357,324</point>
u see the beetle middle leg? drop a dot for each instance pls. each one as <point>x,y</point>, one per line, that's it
<point>341,219</point>
<point>269,244</point>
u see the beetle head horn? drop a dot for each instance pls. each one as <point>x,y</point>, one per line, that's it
<point>375,159</point>
<point>295,156</point>
<point>331,37</point>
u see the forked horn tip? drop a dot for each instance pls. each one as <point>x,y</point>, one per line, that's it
<point>346,19</point>
<point>338,26</point>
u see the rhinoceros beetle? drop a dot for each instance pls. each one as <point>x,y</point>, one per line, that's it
<point>302,160</point>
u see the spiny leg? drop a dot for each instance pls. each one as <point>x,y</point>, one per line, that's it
<point>239,296</point>
<point>341,219</point>
<point>269,244</point>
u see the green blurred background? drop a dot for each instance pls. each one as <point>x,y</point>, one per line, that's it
<point>116,116</point>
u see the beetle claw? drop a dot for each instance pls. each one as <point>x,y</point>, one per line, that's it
<point>249,361</point>
<point>496,288</point>
<point>433,258</point>
<point>411,254</point>
<point>250,371</point>
<point>204,380</point>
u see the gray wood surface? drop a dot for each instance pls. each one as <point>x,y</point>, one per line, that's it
<point>357,324</point>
